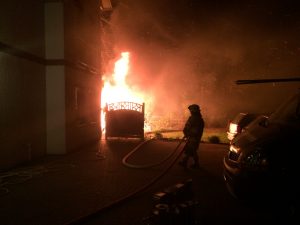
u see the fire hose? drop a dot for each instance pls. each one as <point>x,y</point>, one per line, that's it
<point>125,163</point>
<point>132,194</point>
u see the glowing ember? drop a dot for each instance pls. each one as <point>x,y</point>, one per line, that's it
<point>115,88</point>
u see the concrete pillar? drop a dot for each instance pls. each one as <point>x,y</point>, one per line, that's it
<point>55,77</point>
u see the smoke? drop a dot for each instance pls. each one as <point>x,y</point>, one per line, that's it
<point>193,51</point>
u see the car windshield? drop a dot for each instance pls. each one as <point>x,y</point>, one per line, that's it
<point>288,112</point>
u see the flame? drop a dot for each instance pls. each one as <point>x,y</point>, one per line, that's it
<point>115,88</point>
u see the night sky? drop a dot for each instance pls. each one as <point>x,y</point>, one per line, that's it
<point>192,51</point>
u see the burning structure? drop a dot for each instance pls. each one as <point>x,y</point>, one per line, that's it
<point>123,109</point>
<point>124,119</point>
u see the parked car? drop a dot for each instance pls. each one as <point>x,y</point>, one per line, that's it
<point>238,124</point>
<point>262,161</point>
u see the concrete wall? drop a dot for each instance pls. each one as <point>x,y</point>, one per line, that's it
<point>49,84</point>
<point>55,77</point>
<point>22,82</point>
<point>83,81</point>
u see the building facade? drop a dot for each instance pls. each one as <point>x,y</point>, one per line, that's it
<point>50,78</point>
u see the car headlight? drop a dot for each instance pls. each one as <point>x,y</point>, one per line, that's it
<point>233,128</point>
<point>256,159</point>
<point>234,149</point>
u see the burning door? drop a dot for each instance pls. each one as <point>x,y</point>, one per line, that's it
<point>124,119</point>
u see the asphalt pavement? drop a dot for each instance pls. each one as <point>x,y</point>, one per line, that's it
<point>95,185</point>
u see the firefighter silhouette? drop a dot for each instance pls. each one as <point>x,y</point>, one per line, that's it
<point>193,131</point>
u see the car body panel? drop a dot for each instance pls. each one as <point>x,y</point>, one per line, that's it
<point>263,158</point>
<point>239,123</point>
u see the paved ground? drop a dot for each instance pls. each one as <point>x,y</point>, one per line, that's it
<point>95,186</point>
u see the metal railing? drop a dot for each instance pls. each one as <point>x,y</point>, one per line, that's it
<point>125,106</point>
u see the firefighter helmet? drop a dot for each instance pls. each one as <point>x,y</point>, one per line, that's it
<point>194,108</point>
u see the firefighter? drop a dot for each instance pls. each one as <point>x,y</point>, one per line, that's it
<point>192,131</point>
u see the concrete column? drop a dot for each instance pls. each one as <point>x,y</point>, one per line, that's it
<point>55,77</point>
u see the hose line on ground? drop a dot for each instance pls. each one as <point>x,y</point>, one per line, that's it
<point>125,163</point>
<point>96,213</point>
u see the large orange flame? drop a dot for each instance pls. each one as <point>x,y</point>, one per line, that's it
<point>115,88</point>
